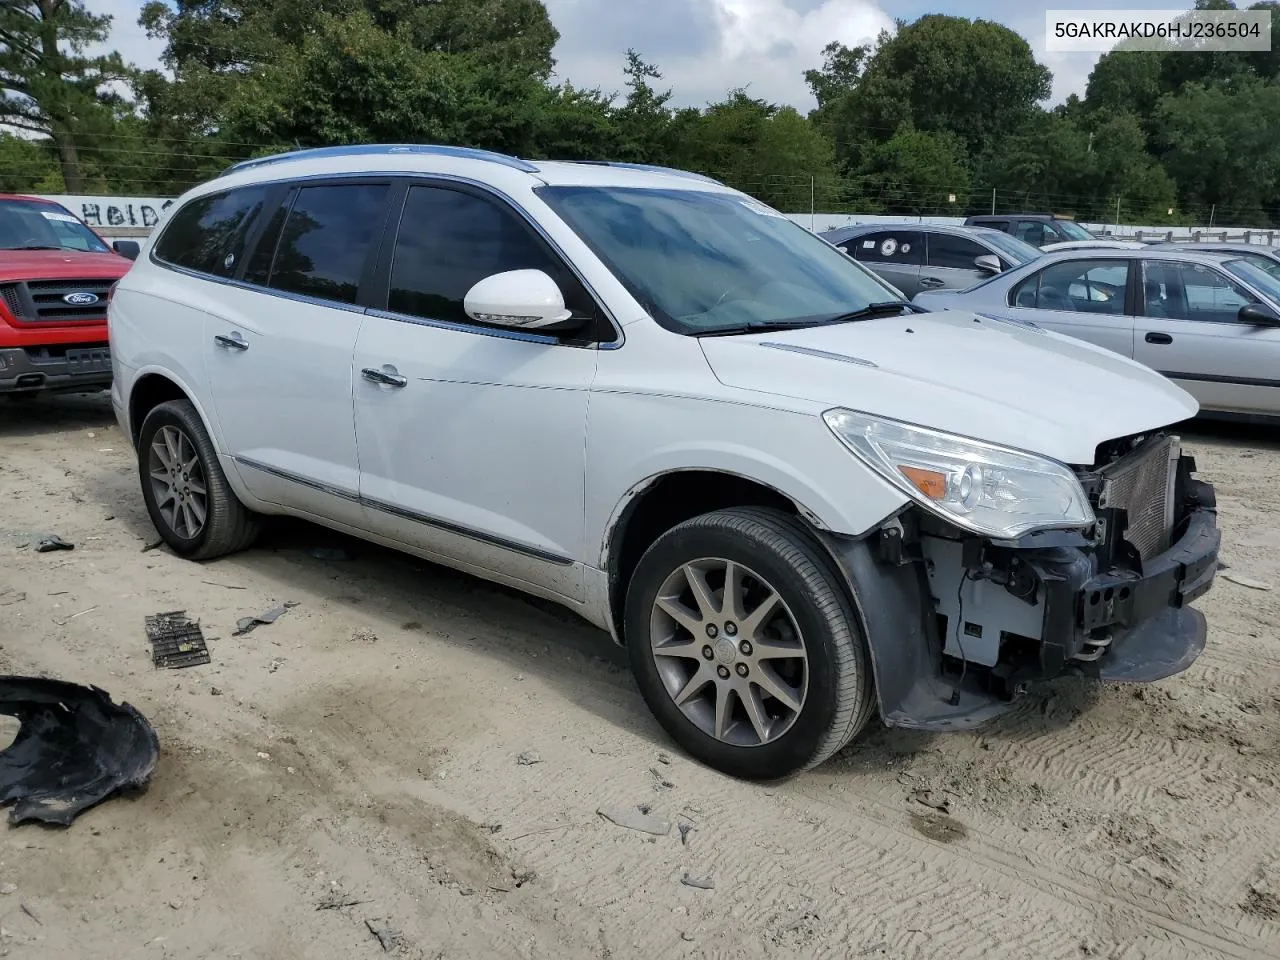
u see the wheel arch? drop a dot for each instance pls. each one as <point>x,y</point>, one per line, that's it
<point>152,387</point>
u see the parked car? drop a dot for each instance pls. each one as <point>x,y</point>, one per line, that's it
<point>55,281</point>
<point>1100,243</point>
<point>651,399</point>
<point>1037,229</point>
<point>1210,322</point>
<point>915,257</point>
<point>1266,258</point>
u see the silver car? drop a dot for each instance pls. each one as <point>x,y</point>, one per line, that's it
<point>918,256</point>
<point>1208,321</point>
<point>1268,258</point>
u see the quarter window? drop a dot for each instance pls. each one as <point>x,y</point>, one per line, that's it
<point>889,246</point>
<point>1190,291</point>
<point>948,250</point>
<point>326,238</point>
<point>450,240</point>
<point>208,234</point>
<point>1078,286</point>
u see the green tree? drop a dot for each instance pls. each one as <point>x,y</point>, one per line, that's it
<point>48,85</point>
<point>918,171</point>
<point>27,166</point>
<point>643,121</point>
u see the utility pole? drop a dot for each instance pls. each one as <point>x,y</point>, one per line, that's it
<point>1212,210</point>
<point>993,201</point>
<point>812,211</point>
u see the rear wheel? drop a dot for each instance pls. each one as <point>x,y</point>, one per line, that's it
<point>745,646</point>
<point>186,492</point>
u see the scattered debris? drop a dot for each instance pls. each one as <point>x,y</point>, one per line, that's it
<point>364,635</point>
<point>8,888</point>
<point>701,883</point>
<point>30,913</point>
<point>176,903</point>
<point>65,621</point>
<point>335,554</point>
<point>491,827</point>
<point>1246,581</point>
<point>529,758</point>
<point>637,818</point>
<point>927,798</point>
<point>54,542</point>
<point>685,827</point>
<point>338,903</point>
<point>176,640</point>
<point>224,586</point>
<point>382,932</point>
<point>262,755</point>
<point>938,826</point>
<point>9,596</point>
<point>215,691</point>
<point>687,937</point>
<point>662,782</point>
<point>664,758</point>
<point>74,749</point>
<point>275,664</point>
<point>248,624</point>
<point>153,545</point>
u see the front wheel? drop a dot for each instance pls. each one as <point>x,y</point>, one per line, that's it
<point>186,493</point>
<point>745,646</point>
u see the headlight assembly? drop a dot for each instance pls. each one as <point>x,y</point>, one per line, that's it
<point>982,487</point>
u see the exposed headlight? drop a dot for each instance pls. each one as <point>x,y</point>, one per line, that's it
<point>982,487</point>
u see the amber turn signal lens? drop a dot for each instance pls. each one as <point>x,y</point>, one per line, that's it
<point>929,482</point>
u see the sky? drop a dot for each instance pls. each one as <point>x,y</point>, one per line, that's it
<point>706,47</point>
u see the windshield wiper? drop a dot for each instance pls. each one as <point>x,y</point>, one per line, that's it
<point>882,308</point>
<point>34,246</point>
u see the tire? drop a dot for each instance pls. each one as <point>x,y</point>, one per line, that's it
<point>228,526</point>
<point>770,552</point>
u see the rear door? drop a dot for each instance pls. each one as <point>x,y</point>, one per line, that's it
<point>896,255</point>
<point>1085,298</point>
<point>949,262</point>
<point>1189,331</point>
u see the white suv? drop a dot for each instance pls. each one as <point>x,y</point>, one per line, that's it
<point>648,397</point>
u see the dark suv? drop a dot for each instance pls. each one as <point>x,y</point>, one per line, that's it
<point>1037,229</point>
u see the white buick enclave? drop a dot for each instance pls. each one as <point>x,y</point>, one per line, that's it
<point>646,396</point>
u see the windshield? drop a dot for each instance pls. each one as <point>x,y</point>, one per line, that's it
<point>703,262</point>
<point>31,225</point>
<point>1255,276</point>
<point>1072,230</point>
<point>1018,251</point>
<point>1266,264</point>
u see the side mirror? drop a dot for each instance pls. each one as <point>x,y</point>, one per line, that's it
<point>127,248</point>
<point>1258,315</point>
<point>522,299</point>
<point>987,263</point>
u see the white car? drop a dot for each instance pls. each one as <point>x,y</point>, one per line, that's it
<point>653,400</point>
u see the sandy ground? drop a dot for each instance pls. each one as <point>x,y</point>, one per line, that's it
<point>364,749</point>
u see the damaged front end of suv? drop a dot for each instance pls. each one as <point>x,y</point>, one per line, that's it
<point>1008,568</point>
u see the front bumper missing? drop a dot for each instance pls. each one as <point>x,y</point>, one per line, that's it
<point>1120,626</point>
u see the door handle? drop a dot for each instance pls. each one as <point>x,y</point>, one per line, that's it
<point>384,378</point>
<point>235,341</point>
<point>932,282</point>
<point>1159,338</point>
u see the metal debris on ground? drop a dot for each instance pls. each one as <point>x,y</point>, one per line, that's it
<point>248,624</point>
<point>529,758</point>
<point>701,883</point>
<point>176,640</point>
<point>74,749</point>
<point>30,913</point>
<point>662,782</point>
<point>685,829</point>
<point>636,818</point>
<point>52,543</point>
<point>382,932</point>
<point>929,799</point>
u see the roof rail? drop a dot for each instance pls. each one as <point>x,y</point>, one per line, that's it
<point>651,168</point>
<point>368,149</point>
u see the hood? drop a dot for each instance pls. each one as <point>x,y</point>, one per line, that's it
<point>986,379</point>
<point>61,264</point>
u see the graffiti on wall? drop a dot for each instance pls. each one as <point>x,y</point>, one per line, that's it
<point>132,212</point>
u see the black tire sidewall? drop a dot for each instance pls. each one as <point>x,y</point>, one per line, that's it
<point>180,414</point>
<point>795,749</point>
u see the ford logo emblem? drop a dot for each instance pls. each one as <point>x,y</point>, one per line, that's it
<point>80,299</point>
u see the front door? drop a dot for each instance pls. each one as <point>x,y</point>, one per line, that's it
<point>472,438</point>
<point>279,352</point>
<point>949,262</point>
<point>1190,331</point>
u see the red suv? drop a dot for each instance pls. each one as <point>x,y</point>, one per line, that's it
<point>56,276</point>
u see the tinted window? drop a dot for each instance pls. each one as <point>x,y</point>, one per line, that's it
<point>948,250</point>
<point>889,246</point>
<point>449,241</point>
<point>208,233</point>
<point>1035,233</point>
<point>326,239</point>
<point>1190,291</point>
<point>259,268</point>
<point>1080,286</point>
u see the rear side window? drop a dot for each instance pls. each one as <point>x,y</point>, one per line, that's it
<point>1078,286</point>
<point>325,241</point>
<point>449,241</point>
<point>208,234</point>
<point>889,246</point>
<point>1035,233</point>
<point>948,250</point>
